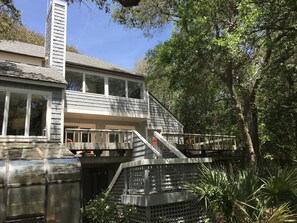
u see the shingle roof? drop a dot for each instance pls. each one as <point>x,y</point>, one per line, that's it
<point>22,48</point>
<point>29,72</point>
<point>73,58</point>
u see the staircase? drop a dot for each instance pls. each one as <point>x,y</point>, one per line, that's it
<point>155,177</point>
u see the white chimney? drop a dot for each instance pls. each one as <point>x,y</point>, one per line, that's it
<point>55,37</point>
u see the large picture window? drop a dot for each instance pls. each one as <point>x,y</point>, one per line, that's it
<point>94,84</point>
<point>135,90</point>
<point>25,113</point>
<point>38,115</point>
<point>117,87</point>
<point>17,114</point>
<point>74,81</point>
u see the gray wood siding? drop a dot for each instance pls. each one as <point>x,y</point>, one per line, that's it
<point>103,105</point>
<point>160,117</point>
<point>56,105</point>
<point>56,115</point>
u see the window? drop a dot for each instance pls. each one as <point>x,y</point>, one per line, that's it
<point>23,114</point>
<point>17,114</point>
<point>38,115</point>
<point>94,84</point>
<point>135,90</point>
<point>104,85</point>
<point>117,87</point>
<point>74,80</point>
<point>2,103</point>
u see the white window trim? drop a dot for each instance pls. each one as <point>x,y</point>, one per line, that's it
<point>28,113</point>
<point>106,86</point>
<point>106,83</point>
<point>29,93</point>
<point>84,83</point>
<point>6,110</point>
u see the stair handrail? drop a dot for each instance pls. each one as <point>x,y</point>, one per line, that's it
<point>169,146</point>
<point>155,151</point>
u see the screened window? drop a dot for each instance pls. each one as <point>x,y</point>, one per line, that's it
<point>94,84</point>
<point>117,87</point>
<point>135,90</point>
<point>38,115</point>
<point>17,114</point>
<point>2,103</point>
<point>74,80</point>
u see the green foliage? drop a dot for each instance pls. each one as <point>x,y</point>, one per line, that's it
<point>147,16</point>
<point>102,209</point>
<point>247,196</point>
<point>101,4</point>
<point>9,15</point>
<point>280,186</point>
<point>242,50</point>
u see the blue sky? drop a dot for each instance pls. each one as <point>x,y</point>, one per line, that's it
<point>93,33</point>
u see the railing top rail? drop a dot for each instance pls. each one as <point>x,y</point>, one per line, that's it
<point>156,152</point>
<point>195,134</point>
<point>173,161</point>
<point>96,130</point>
<point>155,162</point>
<point>169,146</point>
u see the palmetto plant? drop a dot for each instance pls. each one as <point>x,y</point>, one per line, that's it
<point>280,186</point>
<point>246,197</point>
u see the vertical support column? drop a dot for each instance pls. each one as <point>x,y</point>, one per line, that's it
<point>146,182</point>
<point>126,182</point>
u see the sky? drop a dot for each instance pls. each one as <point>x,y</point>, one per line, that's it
<point>93,33</point>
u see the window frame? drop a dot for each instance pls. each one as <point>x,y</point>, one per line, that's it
<point>29,93</point>
<point>106,84</point>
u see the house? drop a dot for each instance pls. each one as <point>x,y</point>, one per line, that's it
<point>53,102</point>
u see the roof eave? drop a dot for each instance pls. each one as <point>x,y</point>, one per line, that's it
<point>109,71</point>
<point>34,82</point>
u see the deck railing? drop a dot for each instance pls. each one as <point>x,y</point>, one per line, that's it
<point>95,141</point>
<point>148,176</point>
<point>158,189</point>
<point>201,142</point>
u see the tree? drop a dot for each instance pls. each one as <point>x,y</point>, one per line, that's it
<point>231,40</point>
<point>11,27</point>
<point>8,15</point>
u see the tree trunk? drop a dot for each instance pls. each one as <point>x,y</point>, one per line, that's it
<point>242,127</point>
<point>227,78</point>
<point>295,120</point>
<point>251,116</point>
<point>254,132</point>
